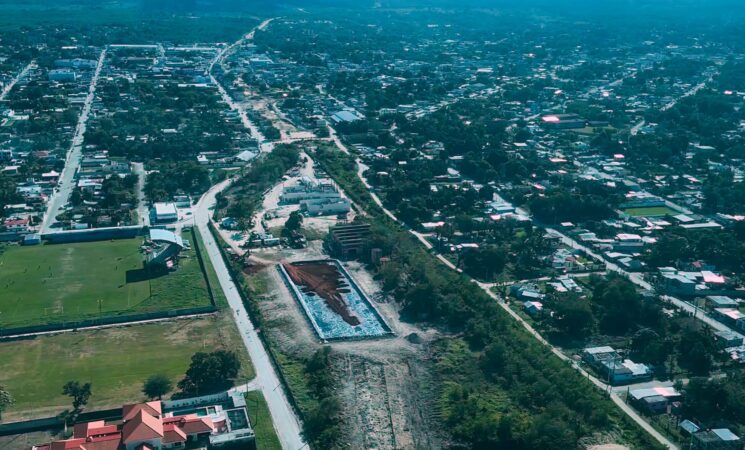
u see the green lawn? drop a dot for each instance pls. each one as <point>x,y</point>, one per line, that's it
<point>653,211</point>
<point>261,421</point>
<point>115,360</point>
<point>59,283</point>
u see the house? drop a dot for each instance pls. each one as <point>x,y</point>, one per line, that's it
<point>208,422</point>
<point>688,427</point>
<point>716,439</point>
<point>16,225</point>
<point>563,121</point>
<point>617,370</point>
<point>165,212</point>
<point>533,308</point>
<point>728,316</point>
<point>653,400</point>
<point>728,339</point>
<point>676,284</point>
<point>720,301</point>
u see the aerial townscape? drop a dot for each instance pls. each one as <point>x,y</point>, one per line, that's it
<point>381,224</point>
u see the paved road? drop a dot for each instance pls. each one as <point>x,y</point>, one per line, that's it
<point>238,106</point>
<point>285,421</point>
<point>9,87</point>
<point>143,212</point>
<point>74,155</point>
<point>638,280</point>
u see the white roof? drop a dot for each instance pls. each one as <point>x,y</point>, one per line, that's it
<point>163,209</point>
<point>651,392</point>
<point>158,235</point>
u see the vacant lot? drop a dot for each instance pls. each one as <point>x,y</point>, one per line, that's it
<point>59,283</point>
<point>116,361</point>
<point>653,211</point>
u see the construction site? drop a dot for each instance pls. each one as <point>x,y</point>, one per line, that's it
<point>382,366</point>
<point>333,303</point>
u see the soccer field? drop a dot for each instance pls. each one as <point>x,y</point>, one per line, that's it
<point>116,361</point>
<point>65,282</point>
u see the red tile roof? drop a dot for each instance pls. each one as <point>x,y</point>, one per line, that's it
<point>173,433</point>
<point>152,408</point>
<point>70,444</point>
<point>191,424</point>
<point>142,427</point>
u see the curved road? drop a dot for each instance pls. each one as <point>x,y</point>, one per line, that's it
<point>267,381</point>
<point>284,418</point>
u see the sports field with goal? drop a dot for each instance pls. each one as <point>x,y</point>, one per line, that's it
<point>67,282</point>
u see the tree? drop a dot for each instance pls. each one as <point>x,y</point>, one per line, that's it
<point>573,317</point>
<point>80,394</point>
<point>292,223</point>
<point>6,400</point>
<point>210,372</point>
<point>157,386</point>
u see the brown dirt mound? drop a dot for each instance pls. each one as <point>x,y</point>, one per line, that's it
<point>325,281</point>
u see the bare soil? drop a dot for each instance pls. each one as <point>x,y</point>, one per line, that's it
<point>384,385</point>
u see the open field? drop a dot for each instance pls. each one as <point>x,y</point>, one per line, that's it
<point>261,421</point>
<point>115,360</point>
<point>58,283</point>
<point>649,211</point>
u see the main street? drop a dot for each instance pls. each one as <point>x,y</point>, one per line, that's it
<point>238,106</point>
<point>74,155</point>
<point>285,421</point>
<point>267,381</point>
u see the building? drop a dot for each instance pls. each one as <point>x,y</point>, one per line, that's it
<point>653,400</point>
<point>728,339</point>
<point>207,422</point>
<point>721,301</point>
<point>729,316</point>
<point>533,308</point>
<point>717,439</point>
<point>325,206</point>
<point>346,116</point>
<point>165,212</point>
<point>349,240</point>
<point>163,247</point>
<point>616,369</point>
<point>308,190</point>
<point>62,75</point>
<point>563,121</point>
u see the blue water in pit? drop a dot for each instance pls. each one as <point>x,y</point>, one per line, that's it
<point>332,326</point>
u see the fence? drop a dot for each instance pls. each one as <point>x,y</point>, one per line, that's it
<point>111,320</point>
<point>198,251</point>
<point>57,422</point>
<point>237,277</point>
<point>93,234</point>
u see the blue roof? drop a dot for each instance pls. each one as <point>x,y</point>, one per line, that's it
<point>345,116</point>
<point>725,434</point>
<point>689,426</point>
